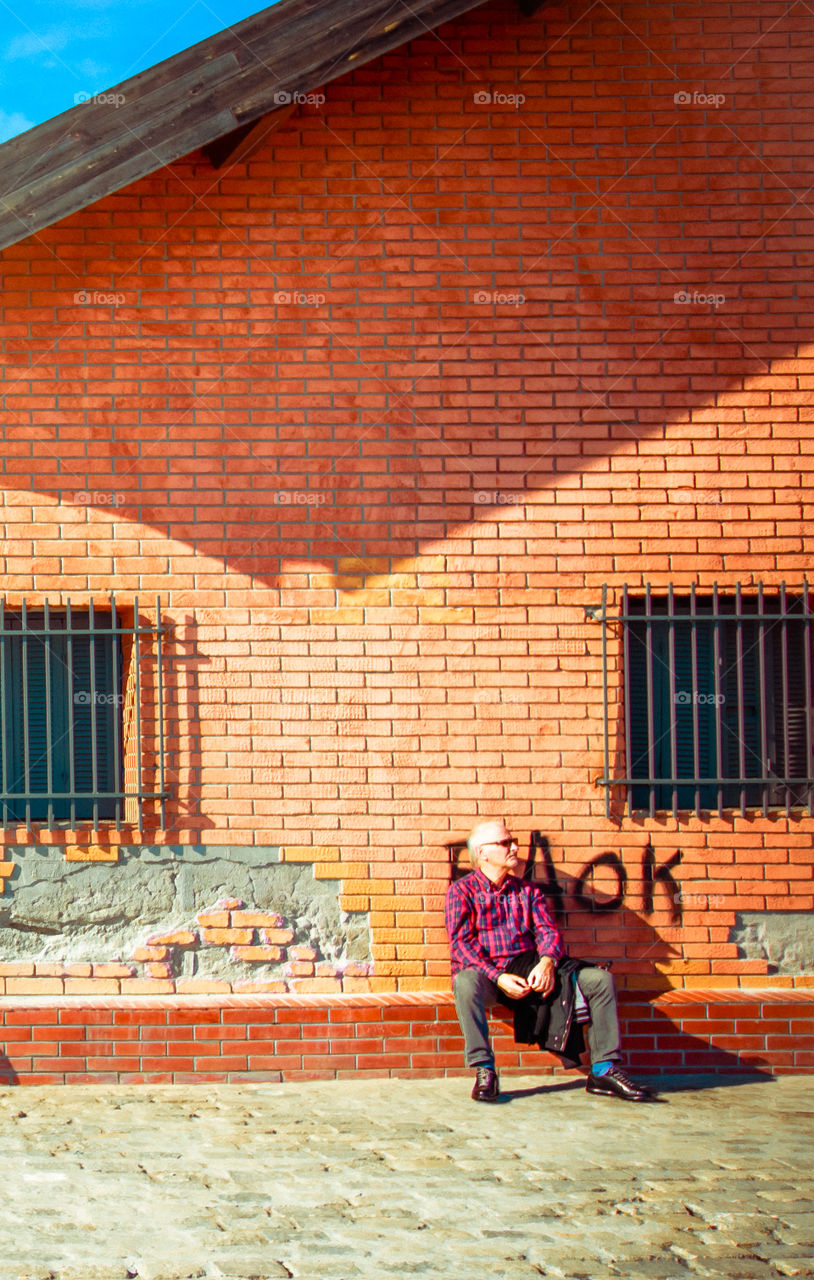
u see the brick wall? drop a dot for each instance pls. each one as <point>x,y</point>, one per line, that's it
<point>226,1038</point>
<point>378,411</point>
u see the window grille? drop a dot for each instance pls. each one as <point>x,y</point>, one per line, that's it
<point>72,683</point>
<point>717,700</point>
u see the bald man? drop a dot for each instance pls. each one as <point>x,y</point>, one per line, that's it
<point>505,946</point>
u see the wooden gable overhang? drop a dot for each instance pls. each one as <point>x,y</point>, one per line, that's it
<point>222,94</point>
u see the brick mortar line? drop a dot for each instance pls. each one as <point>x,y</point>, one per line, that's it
<point>718,995</point>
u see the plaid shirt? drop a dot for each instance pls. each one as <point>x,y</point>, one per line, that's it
<point>487,926</point>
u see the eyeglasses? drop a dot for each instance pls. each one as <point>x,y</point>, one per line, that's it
<point>508,843</point>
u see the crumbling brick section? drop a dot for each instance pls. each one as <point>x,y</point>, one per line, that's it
<point>249,938</point>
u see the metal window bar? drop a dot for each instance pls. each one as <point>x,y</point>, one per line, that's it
<point>160,684</point>
<point>739,679</point>
<point>807,690</point>
<point>3,704</point>
<point>71,756</point>
<point>797,612</point>
<point>696,731</point>
<point>117,688</point>
<point>94,761</point>
<point>628,720</point>
<point>784,677</point>
<point>137,658</point>
<point>49,727</point>
<point>673,690</point>
<point>26,751</point>
<point>762,696</point>
<point>17,626</point>
<point>651,735</point>
<point>717,664</point>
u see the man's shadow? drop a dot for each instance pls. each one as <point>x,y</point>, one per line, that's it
<point>8,1075</point>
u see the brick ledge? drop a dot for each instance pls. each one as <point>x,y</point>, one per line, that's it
<point>389,999</point>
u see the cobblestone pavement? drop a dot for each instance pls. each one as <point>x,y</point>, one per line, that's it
<point>406,1178</point>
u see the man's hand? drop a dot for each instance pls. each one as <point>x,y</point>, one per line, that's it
<point>513,985</point>
<point>542,976</point>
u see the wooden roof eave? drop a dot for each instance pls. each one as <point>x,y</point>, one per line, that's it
<point>194,98</point>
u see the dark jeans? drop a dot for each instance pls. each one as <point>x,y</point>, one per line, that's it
<point>475,993</point>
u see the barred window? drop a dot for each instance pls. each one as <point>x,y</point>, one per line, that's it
<point>717,701</point>
<point>70,715</point>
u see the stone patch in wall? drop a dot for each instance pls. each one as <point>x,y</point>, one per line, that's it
<point>177,918</point>
<point>783,938</point>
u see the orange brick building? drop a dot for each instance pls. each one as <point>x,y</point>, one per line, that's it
<point>357,418</point>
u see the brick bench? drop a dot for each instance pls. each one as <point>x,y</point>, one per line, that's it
<point>298,1037</point>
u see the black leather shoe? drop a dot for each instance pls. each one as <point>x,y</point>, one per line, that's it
<point>615,1083</point>
<point>486,1087</point>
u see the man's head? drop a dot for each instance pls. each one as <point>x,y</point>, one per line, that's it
<point>493,850</point>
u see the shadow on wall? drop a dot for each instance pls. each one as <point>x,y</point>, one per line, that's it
<point>527,339</point>
<point>598,926</point>
<point>597,922</point>
<point>654,1039</point>
<point>7,1073</point>
<point>185,666</point>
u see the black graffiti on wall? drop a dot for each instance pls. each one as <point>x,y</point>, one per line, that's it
<point>653,875</point>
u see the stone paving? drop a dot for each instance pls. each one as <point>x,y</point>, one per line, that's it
<point>386,1178</point>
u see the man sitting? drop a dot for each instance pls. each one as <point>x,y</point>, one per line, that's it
<point>492,918</point>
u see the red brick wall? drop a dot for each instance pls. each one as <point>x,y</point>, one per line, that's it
<point>375,512</point>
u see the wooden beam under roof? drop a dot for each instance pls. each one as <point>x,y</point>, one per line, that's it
<point>243,142</point>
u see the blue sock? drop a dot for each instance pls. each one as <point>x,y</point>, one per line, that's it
<point>600,1068</point>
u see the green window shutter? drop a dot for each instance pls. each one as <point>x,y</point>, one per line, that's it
<point>14,741</point>
<point>690,702</point>
<point>29,773</point>
<point>695,714</point>
<point>765,725</point>
<point>636,641</point>
<point>751,765</point>
<point>106,707</point>
<point>669,702</point>
<point>790,761</point>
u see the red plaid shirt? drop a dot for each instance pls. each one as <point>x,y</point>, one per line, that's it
<point>487,925</point>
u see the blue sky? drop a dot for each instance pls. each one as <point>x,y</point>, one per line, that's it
<point>53,50</point>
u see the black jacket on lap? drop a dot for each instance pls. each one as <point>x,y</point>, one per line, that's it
<point>549,1021</point>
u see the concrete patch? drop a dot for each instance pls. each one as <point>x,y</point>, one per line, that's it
<point>68,912</point>
<point>784,938</point>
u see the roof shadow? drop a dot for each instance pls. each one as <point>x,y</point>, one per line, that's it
<point>365,365</point>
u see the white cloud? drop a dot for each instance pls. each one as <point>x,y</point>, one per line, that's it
<point>53,40</point>
<point>12,123</point>
<point>96,72</point>
<point>30,45</point>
